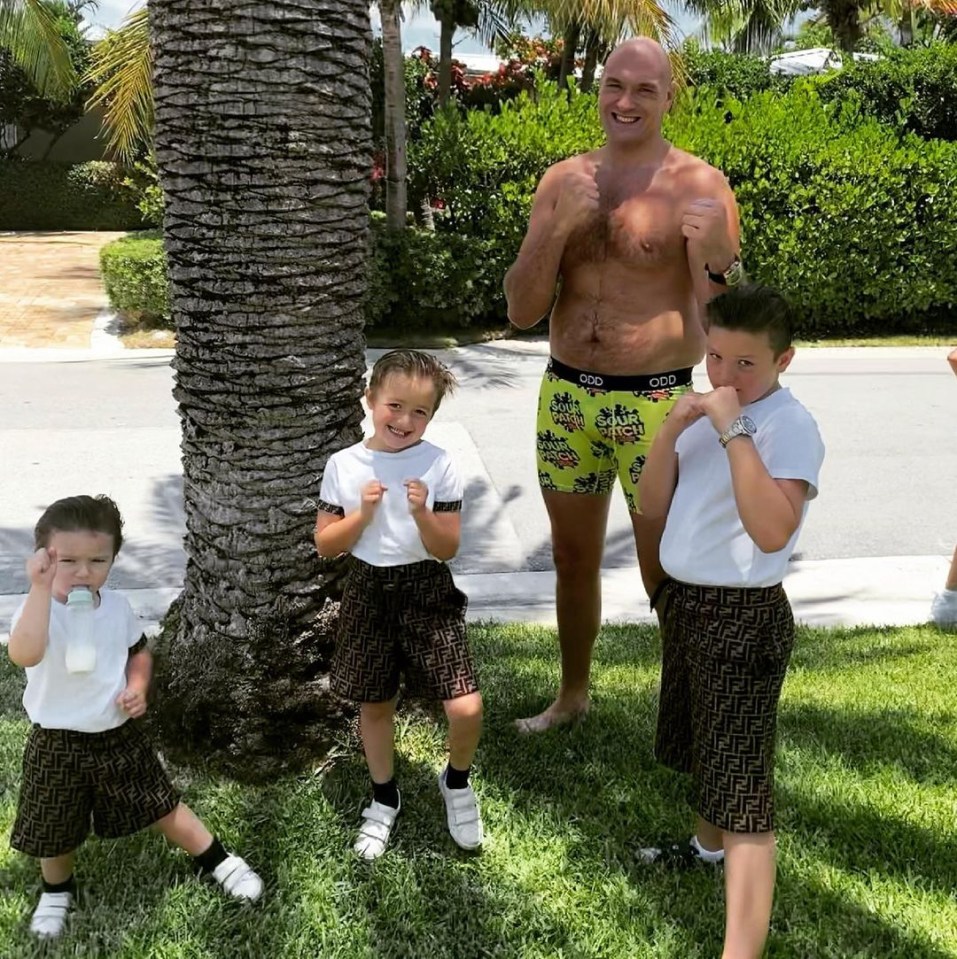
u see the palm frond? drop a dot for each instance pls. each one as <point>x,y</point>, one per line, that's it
<point>746,26</point>
<point>495,22</point>
<point>614,19</point>
<point>123,73</point>
<point>29,30</point>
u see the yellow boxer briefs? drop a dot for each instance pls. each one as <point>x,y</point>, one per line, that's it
<point>592,428</point>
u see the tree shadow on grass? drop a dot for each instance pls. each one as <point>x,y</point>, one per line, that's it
<point>600,778</point>
<point>872,741</point>
<point>839,647</point>
<point>811,919</point>
<point>862,839</point>
<point>12,683</point>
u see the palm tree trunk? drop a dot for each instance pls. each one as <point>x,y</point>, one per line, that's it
<point>446,34</point>
<point>844,19</point>
<point>570,37</point>
<point>592,50</point>
<point>263,148</point>
<point>396,199</point>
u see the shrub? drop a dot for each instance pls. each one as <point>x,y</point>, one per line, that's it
<point>143,183</point>
<point>418,280</point>
<point>914,90</point>
<point>852,220</point>
<point>855,223</point>
<point>35,195</point>
<point>424,280</point>
<point>484,167</point>
<point>135,276</point>
<point>739,75</point>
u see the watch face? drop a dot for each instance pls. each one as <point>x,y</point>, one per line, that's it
<point>748,424</point>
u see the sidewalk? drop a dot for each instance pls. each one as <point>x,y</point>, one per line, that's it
<point>51,294</point>
<point>51,307</point>
<point>875,591</point>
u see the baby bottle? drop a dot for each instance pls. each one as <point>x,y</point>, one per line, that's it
<point>80,650</point>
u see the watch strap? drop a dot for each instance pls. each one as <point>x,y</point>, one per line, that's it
<point>732,276</point>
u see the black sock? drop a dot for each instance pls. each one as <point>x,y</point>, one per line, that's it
<point>457,778</point>
<point>212,857</point>
<point>68,885</point>
<point>386,793</point>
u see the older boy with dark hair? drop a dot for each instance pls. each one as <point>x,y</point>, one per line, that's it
<point>731,473</point>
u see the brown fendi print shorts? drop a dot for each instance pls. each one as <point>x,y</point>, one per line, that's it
<point>113,777</point>
<point>402,619</point>
<point>725,653</point>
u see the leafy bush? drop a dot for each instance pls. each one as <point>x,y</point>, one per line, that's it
<point>739,75</point>
<point>855,223</point>
<point>424,280</point>
<point>484,167</point>
<point>143,183</point>
<point>418,280</point>
<point>51,196</point>
<point>913,90</point>
<point>135,276</point>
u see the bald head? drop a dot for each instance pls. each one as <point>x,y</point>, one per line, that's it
<point>641,53</point>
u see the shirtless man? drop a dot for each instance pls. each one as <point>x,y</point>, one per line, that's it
<point>642,235</point>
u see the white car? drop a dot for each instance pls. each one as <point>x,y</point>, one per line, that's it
<point>817,60</point>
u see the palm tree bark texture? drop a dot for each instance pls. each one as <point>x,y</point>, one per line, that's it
<point>263,145</point>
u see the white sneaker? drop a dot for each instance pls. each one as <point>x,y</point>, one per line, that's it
<point>377,822</point>
<point>462,812</point>
<point>943,610</point>
<point>49,917</point>
<point>238,879</point>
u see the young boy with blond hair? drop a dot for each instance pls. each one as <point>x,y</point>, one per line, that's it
<point>393,501</point>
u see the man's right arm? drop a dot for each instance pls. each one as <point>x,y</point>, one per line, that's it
<point>531,280</point>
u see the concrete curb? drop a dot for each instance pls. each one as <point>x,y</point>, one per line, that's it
<point>871,591</point>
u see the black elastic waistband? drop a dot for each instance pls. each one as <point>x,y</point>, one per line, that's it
<point>638,383</point>
<point>754,597</point>
<point>105,737</point>
<point>394,574</point>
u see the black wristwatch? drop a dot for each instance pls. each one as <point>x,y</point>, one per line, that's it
<point>732,276</point>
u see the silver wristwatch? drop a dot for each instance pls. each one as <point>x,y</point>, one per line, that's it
<point>732,276</point>
<point>742,426</point>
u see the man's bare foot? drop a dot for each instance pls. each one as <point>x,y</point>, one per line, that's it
<point>558,714</point>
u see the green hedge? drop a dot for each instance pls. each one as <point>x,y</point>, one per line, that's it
<point>417,279</point>
<point>740,75</point>
<point>856,223</point>
<point>135,276</point>
<point>852,220</point>
<point>36,195</point>
<point>424,280</point>
<point>914,90</point>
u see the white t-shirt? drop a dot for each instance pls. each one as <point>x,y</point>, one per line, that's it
<point>84,702</point>
<point>392,538</point>
<point>705,541</point>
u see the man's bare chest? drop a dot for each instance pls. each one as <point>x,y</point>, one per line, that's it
<point>636,228</point>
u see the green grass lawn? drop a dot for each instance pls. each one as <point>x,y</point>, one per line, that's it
<point>867,807</point>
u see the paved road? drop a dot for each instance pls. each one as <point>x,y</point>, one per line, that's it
<point>888,416</point>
